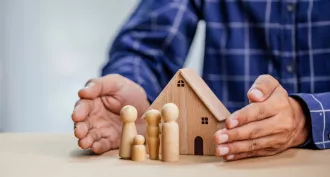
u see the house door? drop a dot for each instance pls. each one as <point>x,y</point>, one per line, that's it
<point>198,145</point>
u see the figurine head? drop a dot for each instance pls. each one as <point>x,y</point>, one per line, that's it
<point>138,140</point>
<point>152,117</point>
<point>170,112</point>
<point>128,114</point>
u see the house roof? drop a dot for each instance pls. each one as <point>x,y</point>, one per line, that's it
<point>204,92</point>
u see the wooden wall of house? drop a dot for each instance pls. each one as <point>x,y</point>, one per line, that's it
<point>191,112</point>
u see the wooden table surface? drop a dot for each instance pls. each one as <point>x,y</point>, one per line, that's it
<point>50,155</point>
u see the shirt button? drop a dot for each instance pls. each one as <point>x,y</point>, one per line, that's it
<point>290,7</point>
<point>329,136</point>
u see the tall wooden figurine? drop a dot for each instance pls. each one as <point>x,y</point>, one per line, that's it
<point>128,115</point>
<point>170,133</point>
<point>139,150</point>
<point>153,118</point>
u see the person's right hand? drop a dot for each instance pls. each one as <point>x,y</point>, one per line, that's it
<point>96,114</point>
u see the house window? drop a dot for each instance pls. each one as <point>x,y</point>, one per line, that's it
<point>205,120</point>
<point>180,83</point>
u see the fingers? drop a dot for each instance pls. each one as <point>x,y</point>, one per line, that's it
<point>250,113</point>
<point>244,155</point>
<point>106,85</point>
<point>82,110</point>
<point>262,88</point>
<point>250,131</point>
<point>112,104</point>
<point>82,129</point>
<point>92,136</point>
<point>101,146</point>
<point>269,142</point>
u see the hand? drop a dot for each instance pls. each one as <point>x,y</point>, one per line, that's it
<point>96,114</point>
<point>270,124</point>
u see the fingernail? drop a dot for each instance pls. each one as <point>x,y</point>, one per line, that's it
<point>257,93</point>
<point>233,123</point>
<point>223,151</point>
<point>230,157</point>
<point>222,138</point>
<point>221,131</point>
<point>89,85</point>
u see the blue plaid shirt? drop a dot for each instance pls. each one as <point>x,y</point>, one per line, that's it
<point>289,40</point>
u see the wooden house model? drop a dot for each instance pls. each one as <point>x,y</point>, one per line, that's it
<point>201,112</point>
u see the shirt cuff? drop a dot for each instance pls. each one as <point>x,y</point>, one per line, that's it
<point>314,119</point>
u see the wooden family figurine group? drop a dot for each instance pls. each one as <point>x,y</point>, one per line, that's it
<point>132,145</point>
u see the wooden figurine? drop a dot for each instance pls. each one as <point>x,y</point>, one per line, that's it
<point>170,133</point>
<point>153,118</point>
<point>201,112</point>
<point>138,150</point>
<point>128,115</point>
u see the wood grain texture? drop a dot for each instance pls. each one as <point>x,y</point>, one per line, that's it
<point>170,133</point>
<point>192,110</point>
<point>139,150</point>
<point>153,119</point>
<point>204,93</point>
<point>128,115</point>
<point>54,155</point>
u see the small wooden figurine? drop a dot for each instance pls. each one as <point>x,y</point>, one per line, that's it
<point>138,150</point>
<point>153,118</point>
<point>128,115</point>
<point>201,112</point>
<point>170,133</point>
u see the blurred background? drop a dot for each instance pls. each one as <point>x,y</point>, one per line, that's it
<point>49,49</point>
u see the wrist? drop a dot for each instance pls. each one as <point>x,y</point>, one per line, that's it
<point>302,125</point>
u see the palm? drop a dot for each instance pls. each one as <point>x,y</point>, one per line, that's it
<point>101,118</point>
<point>96,115</point>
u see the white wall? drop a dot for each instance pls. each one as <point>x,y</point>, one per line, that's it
<point>51,48</point>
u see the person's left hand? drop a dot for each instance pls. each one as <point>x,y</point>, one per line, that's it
<point>270,124</point>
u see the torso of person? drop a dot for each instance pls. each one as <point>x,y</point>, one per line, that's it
<point>289,40</point>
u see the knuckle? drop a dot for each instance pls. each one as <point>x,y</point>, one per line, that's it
<point>265,76</point>
<point>270,79</point>
<point>266,82</point>
<point>254,133</point>
<point>253,145</point>
<point>260,112</point>
<point>277,145</point>
<point>288,126</point>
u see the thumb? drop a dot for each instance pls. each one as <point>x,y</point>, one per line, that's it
<point>262,88</point>
<point>106,85</point>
